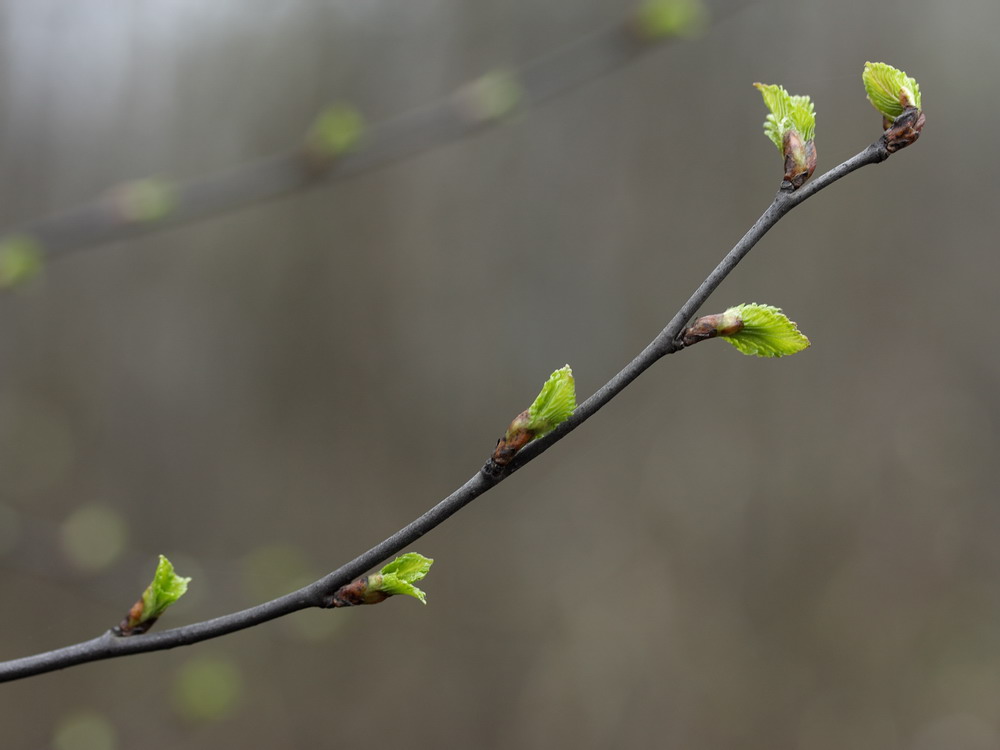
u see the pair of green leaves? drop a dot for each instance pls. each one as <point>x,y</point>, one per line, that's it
<point>167,587</point>
<point>399,576</point>
<point>759,330</point>
<point>889,90</point>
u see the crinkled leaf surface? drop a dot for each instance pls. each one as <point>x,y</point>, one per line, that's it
<point>167,587</point>
<point>555,402</point>
<point>788,112</point>
<point>766,332</point>
<point>889,89</point>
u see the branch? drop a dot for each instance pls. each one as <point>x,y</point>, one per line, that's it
<point>317,593</point>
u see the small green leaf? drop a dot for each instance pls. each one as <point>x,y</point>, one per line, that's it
<point>409,567</point>
<point>398,576</point>
<point>337,130</point>
<point>788,112</point>
<point>84,729</point>
<point>765,331</point>
<point>20,259</point>
<point>659,19</point>
<point>167,587</point>
<point>554,404</point>
<point>889,89</point>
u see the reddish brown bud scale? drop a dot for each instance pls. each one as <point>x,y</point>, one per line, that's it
<point>904,130</point>
<point>800,160</point>
<point>710,326</point>
<point>706,327</point>
<point>355,593</point>
<point>131,625</point>
<point>517,436</point>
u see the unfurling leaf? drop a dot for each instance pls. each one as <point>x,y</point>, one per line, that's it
<point>554,404</point>
<point>791,126</point>
<point>787,113</point>
<point>552,407</point>
<point>762,330</point>
<point>399,576</point>
<point>889,89</point>
<point>166,588</point>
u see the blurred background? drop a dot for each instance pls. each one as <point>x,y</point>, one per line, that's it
<point>736,552</point>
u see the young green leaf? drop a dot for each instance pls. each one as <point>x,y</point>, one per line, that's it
<point>788,113</point>
<point>409,567</point>
<point>889,89</point>
<point>763,331</point>
<point>20,259</point>
<point>398,576</point>
<point>165,589</point>
<point>554,404</point>
<point>791,126</point>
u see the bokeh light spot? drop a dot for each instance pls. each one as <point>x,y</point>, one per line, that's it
<point>84,730</point>
<point>93,537</point>
<point>275,569</point>
<point>207,689</point>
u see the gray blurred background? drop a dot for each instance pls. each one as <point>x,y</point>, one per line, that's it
<point>735,553</point>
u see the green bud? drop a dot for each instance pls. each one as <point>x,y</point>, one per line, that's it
<point>166,588</point>
<point>20,259</point>
<point>336,131</point>
<point>555,403</point>
<point>658,19</point>
<point>890,90</point>
<point>761,330</point>
<point>397,577</point>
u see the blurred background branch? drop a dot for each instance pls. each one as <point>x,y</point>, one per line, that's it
<point>339,145</point>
